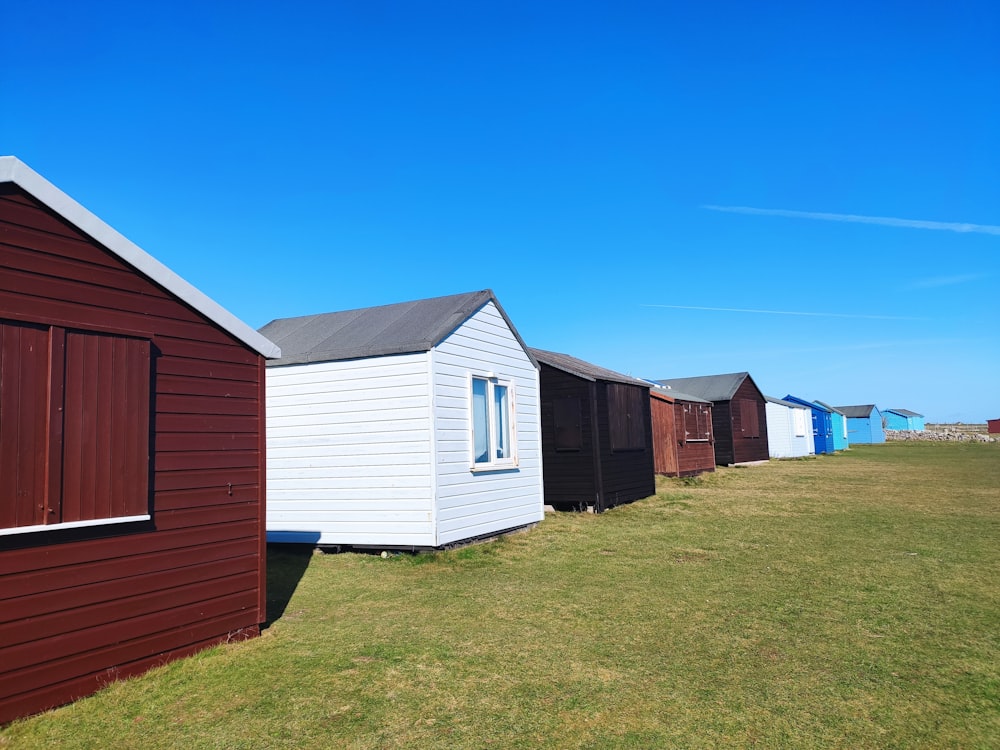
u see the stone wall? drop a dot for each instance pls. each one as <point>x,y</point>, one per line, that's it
<point>941,434</point>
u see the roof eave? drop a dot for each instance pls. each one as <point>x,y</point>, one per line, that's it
<point>13,170</point>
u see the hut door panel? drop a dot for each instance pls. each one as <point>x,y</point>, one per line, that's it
<point>23,415</point>
<point>106,427</point>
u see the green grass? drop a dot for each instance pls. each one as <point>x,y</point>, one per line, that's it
<point>844,601</point>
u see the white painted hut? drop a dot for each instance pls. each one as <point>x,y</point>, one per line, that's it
<point>406,426</point>
<point>789,429</point>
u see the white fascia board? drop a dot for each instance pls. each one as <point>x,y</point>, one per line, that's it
<point>17,172</point>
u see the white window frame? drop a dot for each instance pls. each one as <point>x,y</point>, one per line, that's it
<point>492,463</point>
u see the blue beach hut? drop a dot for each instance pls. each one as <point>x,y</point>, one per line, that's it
<point>841,441</point>
<point>903,419</point>
<point>864,424</point>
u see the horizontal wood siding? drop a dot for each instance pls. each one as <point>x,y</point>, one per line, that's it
<point>84,607</point>
<point>471,504</point>
<point>747,448</point>
<point>349,452</point>
<point>569,475</point>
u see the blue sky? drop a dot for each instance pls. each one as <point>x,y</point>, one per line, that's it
<point>808,193</point>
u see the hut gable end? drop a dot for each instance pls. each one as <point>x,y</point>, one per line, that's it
<point>137,445</point>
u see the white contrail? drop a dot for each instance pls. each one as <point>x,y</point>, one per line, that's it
<point>887,221</point>
<point>784,312</point>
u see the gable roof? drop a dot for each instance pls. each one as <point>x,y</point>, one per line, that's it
<point>832,409</point>
<point>671,395</point>
<point>400,328</point>
<point>710,387</point>
<point>582,369</point>
<point>16,172</point>
<point>857,412</point>
<point>905,412</point>
<point>782,401</point>
<point>814,405</point>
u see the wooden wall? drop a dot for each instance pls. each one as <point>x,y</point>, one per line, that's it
<point>84,606</point>
<point>747,446</point>
<point>571,477</point>
<point>594,475</point>
<point>673,454</point>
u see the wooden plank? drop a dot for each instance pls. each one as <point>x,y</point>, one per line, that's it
<point>70,689</point>
<point>74,556</point>
<point>128,604</point>
<point>65,579</point>
<point>70,259</point>
<point>41,664</point>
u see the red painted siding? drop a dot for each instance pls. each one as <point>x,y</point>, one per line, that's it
<point>676,454</point>
<point>82,607</point>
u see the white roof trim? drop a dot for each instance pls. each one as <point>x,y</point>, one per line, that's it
<point>14,170</point>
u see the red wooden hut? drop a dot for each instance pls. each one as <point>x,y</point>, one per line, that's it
<point>131,452</point>
<point>739,415</point>
<point>683,445</point>
<point>993,426</point>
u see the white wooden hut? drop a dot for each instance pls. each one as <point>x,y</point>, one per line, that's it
<point>789,429</point>
<point>406,426</point>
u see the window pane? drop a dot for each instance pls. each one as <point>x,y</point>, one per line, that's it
<point>502,411</point>
<point>480,422</point>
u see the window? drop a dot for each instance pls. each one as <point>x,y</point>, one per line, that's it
<point>627,406</point>
<point>697,423</point>
<point>749,420</point>
<point>568,418</point>
<point>74,428</point>
<point>493,434</point>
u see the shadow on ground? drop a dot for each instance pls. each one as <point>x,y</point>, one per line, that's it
<point>286,564</point>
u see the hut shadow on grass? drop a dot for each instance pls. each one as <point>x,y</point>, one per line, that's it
<point>286,564</point>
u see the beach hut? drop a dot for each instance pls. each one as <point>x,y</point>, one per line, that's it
<point>683,445</point>
<point>841,439</point>
<point>822,424</point>
<point>902,419</point>
<point>131,452</point>
<point>789,429</point>
<point>405,426</point>
<point>596,434</point>
<point>864,424</point>
<point>739,417</point>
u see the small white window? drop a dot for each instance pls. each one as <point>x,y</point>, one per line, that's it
<point>493,432</point>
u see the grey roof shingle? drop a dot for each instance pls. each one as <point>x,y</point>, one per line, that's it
<point>678,396</point>
<point>400,328</point>
<point>905,412</point>
<point>583,369</point>
<point>857,412</point>
<point>710,387</point>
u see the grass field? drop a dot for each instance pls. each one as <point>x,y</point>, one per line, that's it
<point>847,601</point>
